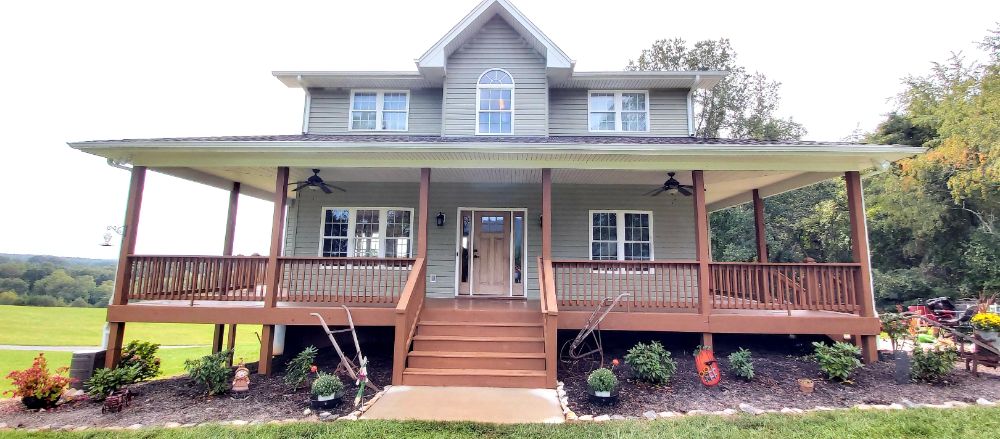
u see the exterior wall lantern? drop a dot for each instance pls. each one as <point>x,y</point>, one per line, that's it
<point>440,219</point>
<point>107,235</point>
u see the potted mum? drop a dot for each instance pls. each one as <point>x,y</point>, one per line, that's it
<point>37,388</point>
<point>602,383</point>
<point>987,326</point>
<point>327,390</point>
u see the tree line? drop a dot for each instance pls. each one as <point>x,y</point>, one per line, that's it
<point>934,220</point>
<point>55,281</point>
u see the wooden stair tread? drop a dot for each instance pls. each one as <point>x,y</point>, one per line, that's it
<point>476,338</point>
<point>453,354</point>
<point>476,372</point>
<point>454,323</point>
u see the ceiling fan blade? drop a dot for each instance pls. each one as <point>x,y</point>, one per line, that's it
<point>325,188</point>
<point>335,187</point>
<point>656,192</point>
<point>300,186</point>
<point>684,190</point>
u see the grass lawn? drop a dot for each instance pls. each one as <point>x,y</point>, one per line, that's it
<point>27,325</point>
<point>966,423</point>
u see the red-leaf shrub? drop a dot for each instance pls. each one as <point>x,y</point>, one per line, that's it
<point>37,382</point>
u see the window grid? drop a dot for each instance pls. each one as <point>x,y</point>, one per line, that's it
<point>495,103</point>
<point>618,111</point>
<point>374,110</point>
<point>621,235</point>
<point>367,232</point>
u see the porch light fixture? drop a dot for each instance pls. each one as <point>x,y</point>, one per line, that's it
<point>440,219</point>
<point>541,221</point>
<point>107,235</point>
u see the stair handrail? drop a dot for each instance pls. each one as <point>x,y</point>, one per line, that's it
<point>550,317</point>
<point>411,301</point>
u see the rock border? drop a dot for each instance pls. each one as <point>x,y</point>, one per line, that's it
<point>650,415</point>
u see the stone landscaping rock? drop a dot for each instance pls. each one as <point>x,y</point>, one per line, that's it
<point>980,401</point>
<point>135,426</point>
<point>649,415</point>
<point>727,412</point>
<point>956,404</point>
<point>171,425</point>
<point>570,416</point>
<point>239,422</point>
<point>896,406</point>
<point>350,417</point>
<point>910,404</point>
<point>747,408</point>
<point>586,418</point>
<point>617,418</point>
<point>602,418</point>
<point>81,428</point>
<point>697,412</point>
<point>324,415</point>
<point>306,412</point>
<point>3,425</point>
<point>274,422</point>
<point>667,414</point>
<point>189,425</point>
<point>791,410</point>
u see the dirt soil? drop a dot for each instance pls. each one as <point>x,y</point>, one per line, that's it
<point>180,400</point>
<point>778,362</point>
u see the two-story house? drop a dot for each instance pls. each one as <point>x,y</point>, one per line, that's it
<point>493,171</point>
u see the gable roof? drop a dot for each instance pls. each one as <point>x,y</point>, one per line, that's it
<point>432,63</point>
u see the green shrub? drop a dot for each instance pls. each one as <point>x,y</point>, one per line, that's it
<point>105,381</point>
<point>933,365</point>
<point>8,298</point>
<point>141,355</point>
<point>297,370</point>
<point>42,300</point>
<point>742,364</point>
<point>895,327</point>
<point>211,372</point>
<point>651,362</point>
<point>837,361</point>
<point>602,380</point>
<point>326,385</point>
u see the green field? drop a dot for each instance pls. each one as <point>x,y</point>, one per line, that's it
<point>37,326</point>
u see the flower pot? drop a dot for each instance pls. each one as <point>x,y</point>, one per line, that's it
<point>609,397</point>
<point>806,385</point>
<point>602,394</point>
<point>326,401</point>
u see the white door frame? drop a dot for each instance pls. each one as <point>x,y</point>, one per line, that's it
<point>472,234</point>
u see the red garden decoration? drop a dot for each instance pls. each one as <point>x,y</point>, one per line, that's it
<point>36,387</point>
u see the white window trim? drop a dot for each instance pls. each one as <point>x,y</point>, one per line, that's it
<point>512,86</point>
<point>618,111</point>
<point>620,223</point>
<point>352,223</point>
<point>379,108</point>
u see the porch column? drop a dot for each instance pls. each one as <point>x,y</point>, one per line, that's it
<point>423,212</point>
<point>227,250</point>
<point>273,269</point>
<point>859,254</point>
<point>547,214</point>
<point>120,295</point>
<point>759,227</point>
<point>702,243</point>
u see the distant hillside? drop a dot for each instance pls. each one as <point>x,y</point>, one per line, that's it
<point>58,260</point>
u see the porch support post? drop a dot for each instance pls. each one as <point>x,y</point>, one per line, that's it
<point>231,343</point>
<point>423,212</point>
<point>759,227</point>
<point>702,243</point>
<point>120,296</point>
<point>273,268</point>
<point>547,214</point>
<point>227,250</point>
<point>859,253</point>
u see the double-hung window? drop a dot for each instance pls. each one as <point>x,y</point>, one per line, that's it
<point>367,232</point>
<point>620,235</point>
<point>376,110</point>
<point>618,111</point>
<point>495,103</point>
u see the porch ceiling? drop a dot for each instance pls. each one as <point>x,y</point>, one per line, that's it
<point>723,188</point>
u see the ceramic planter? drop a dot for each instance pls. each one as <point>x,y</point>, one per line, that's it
<point>326,402</point>
<point>609,397</point>
<point>806,385</point>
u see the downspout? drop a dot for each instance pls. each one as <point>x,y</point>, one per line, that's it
<point>307,108</point>
<point>690,105</point>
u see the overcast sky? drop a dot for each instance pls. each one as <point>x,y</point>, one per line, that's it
<point>84,70</point>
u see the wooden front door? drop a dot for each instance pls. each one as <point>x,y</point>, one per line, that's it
<point>491,254</point>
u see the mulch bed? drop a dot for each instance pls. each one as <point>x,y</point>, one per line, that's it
<point>179,400</point>
<point>778,362</point>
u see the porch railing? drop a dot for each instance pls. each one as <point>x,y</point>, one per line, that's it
<point>550,318</point>
<point>362,280</point>
<point>652,284</point>
<point>407,313</point>
<point>785,286</point>
<point>196,277</point>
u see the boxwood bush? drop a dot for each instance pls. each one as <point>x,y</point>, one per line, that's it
<point>651,362</point>
<point>838,360</point>
<point>602,380</point>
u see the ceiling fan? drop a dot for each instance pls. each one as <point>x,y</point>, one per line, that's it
<point>315,182</point>
<point>671,186</point>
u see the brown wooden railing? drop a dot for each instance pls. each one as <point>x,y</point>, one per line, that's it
<point>550,318</point>
<point>411,301</point>
<point>652,284</point>
<point>785,286</point>
<point>195,277</point>
<point>363,280</point>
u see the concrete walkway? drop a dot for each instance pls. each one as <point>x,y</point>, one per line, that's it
<point>17,347</point>
<point>479,404</point>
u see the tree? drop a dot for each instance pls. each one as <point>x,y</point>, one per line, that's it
<point>741,106</point>
<point>16,285</point>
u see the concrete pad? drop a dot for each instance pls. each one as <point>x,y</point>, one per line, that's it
<point>479,404</point>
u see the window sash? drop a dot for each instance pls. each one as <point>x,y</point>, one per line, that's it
<point>367,241</point>
<point>495,116</point>
<point>632,120</point>
<point>374,119</point>
<point>615,244</point>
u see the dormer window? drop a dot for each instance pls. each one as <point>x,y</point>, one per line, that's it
<point>619,111</point>
<point>377,110</point>
<point>495,103</point>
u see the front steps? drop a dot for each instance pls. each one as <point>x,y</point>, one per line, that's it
<point>477,348</point>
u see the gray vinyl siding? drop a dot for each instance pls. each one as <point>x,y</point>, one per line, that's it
<point>568,114</point>
<point>329,113</point>
<point>673,225</point>
<point>497,45</point>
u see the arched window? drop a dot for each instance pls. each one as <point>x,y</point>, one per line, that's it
<point>495,103</point>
